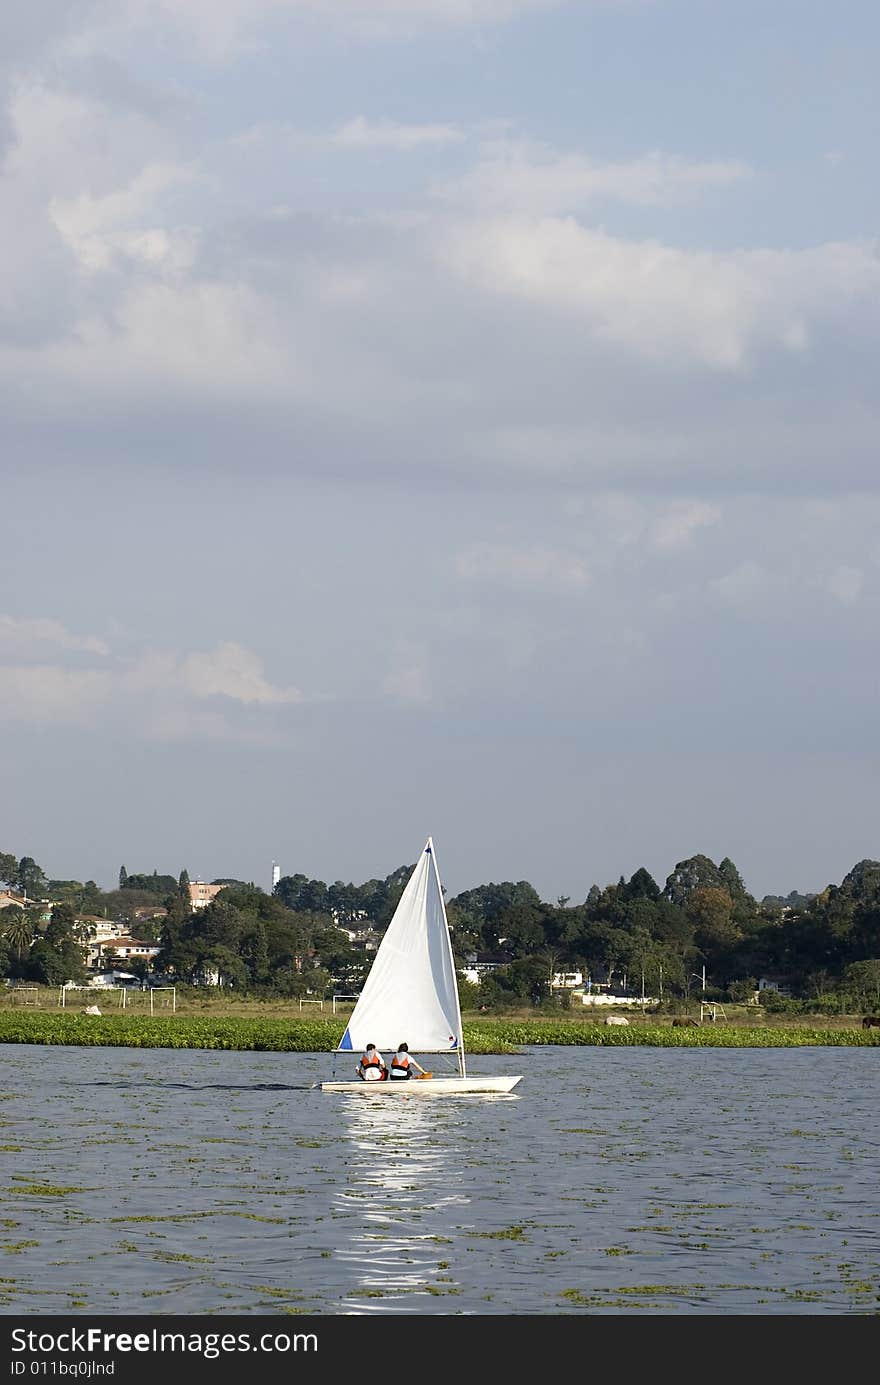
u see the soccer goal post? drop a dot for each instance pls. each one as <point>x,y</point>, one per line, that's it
<point>170,992</point>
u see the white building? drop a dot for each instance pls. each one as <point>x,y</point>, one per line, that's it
<point>126,949</point>
<point>97,930</point>
<point>601,999</point>
<point>567,980</point>
<point>475,971</point>
<point>201,895</point>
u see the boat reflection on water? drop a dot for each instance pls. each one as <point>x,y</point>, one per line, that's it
<point>400,1189</point>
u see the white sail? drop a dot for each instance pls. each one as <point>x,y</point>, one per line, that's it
<point>411,993</point>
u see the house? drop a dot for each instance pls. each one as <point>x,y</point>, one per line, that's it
<point>475,971</point>
<point>599,998</point>
<point>127,949</point>
<point>94,948</point>
<point>7,898</point>
<point>201,895</point>
<point>148,913</point>
<point>348,919</point>
<point>99,930</point>
<point>361,935</point>
<point>774,983</point>
<point>566,980</point>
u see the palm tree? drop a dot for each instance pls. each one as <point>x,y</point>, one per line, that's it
<point>17,929</point>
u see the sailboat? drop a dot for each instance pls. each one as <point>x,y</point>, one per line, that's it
<point>411,995</point>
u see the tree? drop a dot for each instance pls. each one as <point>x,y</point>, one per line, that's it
<point>551,959</point>
<point>57,956</point>
<point>343,902</point>
<point>183,885</point>
<point>123,877</point>
<point>528,979</point>
<point>61,940</point>
<point>710,911</point>
<point>699,872</point>
<point>254,951</point>
<point>733,881</point>
<point>863,980</point>
<point>175,955</point>
<point>642,885</point>
<point>222,966</point>
<point>8,869</point>
<point>154,884</point>
<point>92,901</point>
<point>333,951</point>
<point>17,929</point>
<point>562,926</point>
<point>304,895</point>
<point>66,891</point>
<point>819,983</point>
<point>523,932</point>
<point>317,980</point>
<point>742,990</point>
<point>31,880</point>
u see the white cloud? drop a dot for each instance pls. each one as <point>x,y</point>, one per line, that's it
<point>156,690</point>
<point>512,565</point>
<point>49,693</point>
<point>490,339</point>
<point>80,185</point>
<point>556,449</point>
<point>31,637</point>
<point>234,672</point>
<point>658,301</point>
<point>201,339</point>
<point>358,133</point>
<point>361,133</point>
<point>746,587</point>
<point>524,177</point>
<point>96,228</point>
<point>201,14</point>
<point>222,28</point>
<point>674,528</point>
<point>67,145</point>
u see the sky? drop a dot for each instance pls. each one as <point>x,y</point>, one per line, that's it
<point>440,417</point>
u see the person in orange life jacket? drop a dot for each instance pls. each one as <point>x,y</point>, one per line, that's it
<point>402,1064</point>
<point>372,1066</point>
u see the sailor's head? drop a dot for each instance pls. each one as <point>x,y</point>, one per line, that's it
<point>370,1046</point>
<point>403,1048</point>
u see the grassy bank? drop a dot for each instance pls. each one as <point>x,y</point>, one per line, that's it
<point>483,1036</point>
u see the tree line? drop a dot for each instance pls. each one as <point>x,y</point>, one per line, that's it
<point>635,933</point>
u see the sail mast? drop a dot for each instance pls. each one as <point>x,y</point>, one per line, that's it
<point>460,1034</point>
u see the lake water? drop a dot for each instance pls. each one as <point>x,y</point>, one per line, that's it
<point>612,1181</point>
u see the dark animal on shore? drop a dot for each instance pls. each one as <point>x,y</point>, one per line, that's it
<point>871,1022</point>
<point>685,1024</point>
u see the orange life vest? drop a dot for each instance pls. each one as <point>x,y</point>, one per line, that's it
<point>400,1066</point>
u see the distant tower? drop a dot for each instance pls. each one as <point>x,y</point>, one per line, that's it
<point>276,873</point>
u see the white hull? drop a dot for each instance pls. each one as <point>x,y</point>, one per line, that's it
<point>436,1086</point>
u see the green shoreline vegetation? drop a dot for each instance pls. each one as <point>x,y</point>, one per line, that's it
<point>812,960</point>
<point>483,1036</point>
